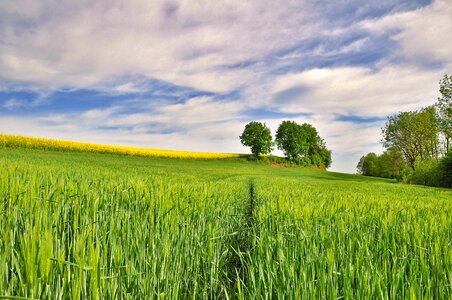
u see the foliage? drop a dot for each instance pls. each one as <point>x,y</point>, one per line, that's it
<point>368,165</point>
<point>390,163</point>
<point>413,133</point>
<point>416,135</point>
<point>290,139</point>
<point>88,226</point>
<point>321,155</point>
<point>445,167</point>
<point>257,136</point>
<point>406,174</point>
<point>387,165</point>
<point>444,109</point>
<point>427,173</point>
<point>302,143</point>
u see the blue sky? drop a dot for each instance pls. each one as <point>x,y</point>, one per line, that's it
<point>190,74</point>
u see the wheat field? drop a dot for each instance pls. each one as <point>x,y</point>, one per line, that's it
<point>83,225</point>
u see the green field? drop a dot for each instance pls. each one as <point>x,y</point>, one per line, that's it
<point>106,226</point>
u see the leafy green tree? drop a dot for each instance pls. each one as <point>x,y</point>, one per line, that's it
<point>258,137</point>
<point>319,154</point>
<point>360,165</point>
<point>446,170</point>
<point>413,133</point>
<point>291,140</point>
<point>368,165</point>
<point>413,138</point>
<point>392,163</point>
<point>444,110</point>
<point>388,165</point>
<point>303,144</point>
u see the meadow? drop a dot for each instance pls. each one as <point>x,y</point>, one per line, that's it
<point>80,225</point>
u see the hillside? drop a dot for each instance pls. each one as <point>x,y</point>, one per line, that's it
<point>87,225</point>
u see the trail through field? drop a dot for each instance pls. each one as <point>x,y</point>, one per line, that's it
<point>103,226</point>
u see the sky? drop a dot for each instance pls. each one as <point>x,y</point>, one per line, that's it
<point>188,75</point>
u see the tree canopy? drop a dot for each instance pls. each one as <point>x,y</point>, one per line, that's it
<point>258,137</point>
<point>389,164</point>
<point>413,133</point>
<point>418,143</point>
<point>303,143</point>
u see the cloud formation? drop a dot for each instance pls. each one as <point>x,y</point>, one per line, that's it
<point>81,44</point>
<point>189,75</point>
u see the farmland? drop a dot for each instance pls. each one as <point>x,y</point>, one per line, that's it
<point>109,226</point>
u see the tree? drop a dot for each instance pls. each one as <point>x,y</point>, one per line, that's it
<point>368,165</point>
<point>302,143</point>
<point>413,133</point>
<point>319,153</point>
<point>360,165</point>
<point>391,163</point>
<point>388,165</point>
<point>415,154</point>
<point>290,139</point>
<point>444,110</point>
<point>446,170</point>
<point>257,136</point>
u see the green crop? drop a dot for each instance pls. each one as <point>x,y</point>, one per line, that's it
<point>105,226</point>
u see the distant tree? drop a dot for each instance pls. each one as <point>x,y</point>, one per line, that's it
<point>392,163</point>
<point>258,137</point>
<point>368,165</point>
<point>383,166</point>
<point>302,143</point>
<point>319,154</point>
<point>324,155</point>
<point>446,170</point>
<point>291,140</point>
<point>413,133</point>
<point>444,110</point>
<point>388,165</point>
<point>418,143</point>
<point>360,165</point>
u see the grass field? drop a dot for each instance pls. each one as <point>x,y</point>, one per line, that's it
<point>106,226</point>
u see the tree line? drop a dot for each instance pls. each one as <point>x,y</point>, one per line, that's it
<point>301,144</point>
<point>418,144</point>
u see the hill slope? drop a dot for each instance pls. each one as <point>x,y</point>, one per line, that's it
<point>87,225</point>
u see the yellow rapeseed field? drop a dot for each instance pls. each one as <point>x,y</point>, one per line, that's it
<point>16,141</point>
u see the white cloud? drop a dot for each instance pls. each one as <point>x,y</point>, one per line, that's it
<point>18,103</point>
<point>348,91</point>
<point>422,34</point>
<point>186,43</point>
<point>198,111</point>
<point>81,44</point>
<point>199,124</point>
<point>355,91</point>
<point>14,103</point>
